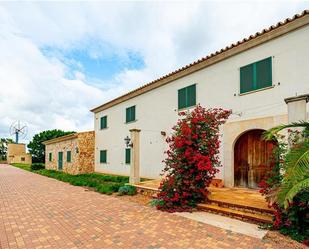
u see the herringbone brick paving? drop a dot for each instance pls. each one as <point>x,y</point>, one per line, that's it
<point>40,212</point>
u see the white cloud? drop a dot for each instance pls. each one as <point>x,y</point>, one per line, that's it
<point>34,86</point>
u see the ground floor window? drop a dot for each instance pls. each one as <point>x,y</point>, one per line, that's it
<point>103,156</point>
<point>68,156</point>
<point>128,156</point>
<point>50,155</point>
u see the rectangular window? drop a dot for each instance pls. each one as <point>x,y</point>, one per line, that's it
<point>50,156</point>
<point>103,156</point>
<point>256,76</point>
<point>68,156</point>
<point>128,156</point>
<point>103,122</point>
<point>187,97</point>
<point>130,114</point>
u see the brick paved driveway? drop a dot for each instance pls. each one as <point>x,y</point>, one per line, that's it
<point>39,212</point>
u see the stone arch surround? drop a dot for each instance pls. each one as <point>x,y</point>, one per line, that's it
<point>233,130</point>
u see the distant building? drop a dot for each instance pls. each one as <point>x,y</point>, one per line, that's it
<point>16,153</point>
<point>73,154</point>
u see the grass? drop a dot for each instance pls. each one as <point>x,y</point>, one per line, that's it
<point>106,184</point>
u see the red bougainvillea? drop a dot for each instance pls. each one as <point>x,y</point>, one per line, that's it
<point>192,159</point>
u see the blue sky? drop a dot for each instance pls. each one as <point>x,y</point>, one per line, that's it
<point>98,61</point>
<point>60,59</point>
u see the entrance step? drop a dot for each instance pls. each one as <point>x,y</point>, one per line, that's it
<point>239,214</point>
<point>243,207</point>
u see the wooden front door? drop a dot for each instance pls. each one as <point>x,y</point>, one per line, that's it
<point>252,155</point>
<point>60,160</point>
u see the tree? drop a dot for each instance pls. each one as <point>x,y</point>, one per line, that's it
<point>192,159</point>
<point>4,147</point>
<point>36,146</point>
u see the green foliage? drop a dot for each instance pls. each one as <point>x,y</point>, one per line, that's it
<point>296,177</point>
<point>37,166</point>
<point>37,149</point>
<point>106,184</point>
<point>296,218</point>
<point>290,190</point>
<point>22,166</point>
<point>127,190</point>
<point>4,147</point>
<point>273,132</point>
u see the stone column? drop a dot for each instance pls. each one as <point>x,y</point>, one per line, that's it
<point>135,157</point>
<point>297,108</point>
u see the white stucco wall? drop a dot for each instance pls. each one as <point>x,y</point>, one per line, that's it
<point>217,84</point>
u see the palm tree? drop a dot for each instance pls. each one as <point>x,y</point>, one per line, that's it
<point>296,164</point>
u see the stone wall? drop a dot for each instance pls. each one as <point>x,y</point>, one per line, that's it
<point>81,146</point>
<point>62,146</point>
<point>25,158</point>
<point>86,152</point>
<point>17,154</point>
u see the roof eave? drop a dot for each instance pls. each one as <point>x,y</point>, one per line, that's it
<point>266,35</point>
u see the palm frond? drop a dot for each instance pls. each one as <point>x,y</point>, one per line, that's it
<point>295,190</point>
<point>271,133</point>
<point>296,171</point>
<point>297,160</point>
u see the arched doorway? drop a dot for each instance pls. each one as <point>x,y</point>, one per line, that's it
<point>252,154</point>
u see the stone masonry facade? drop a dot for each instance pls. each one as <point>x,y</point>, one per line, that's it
<point>17,154</point>
<point>81,146</point>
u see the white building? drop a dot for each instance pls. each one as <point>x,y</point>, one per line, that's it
<point>251,77</point>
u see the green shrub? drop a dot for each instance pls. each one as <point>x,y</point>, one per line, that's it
<point>37,166</point>
<point>106,184</point>
<point>127,190</point>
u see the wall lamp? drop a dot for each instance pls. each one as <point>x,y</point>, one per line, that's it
<point>128,142</point>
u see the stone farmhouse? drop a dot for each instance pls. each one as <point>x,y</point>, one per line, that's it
<point>263,79</point>
<point>73,154</point>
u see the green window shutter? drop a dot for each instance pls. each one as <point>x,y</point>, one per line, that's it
<point>50,156</point>
<point>181,98</point>
<point>133,113</point>
<point>127,115</point>
<point>187,97</point>
<point>103,156</point>
<point>130,114</point>
<point>191,95</point>
<point>263,73</point>
<point>103,122</point>
<point>128,156</point>
<point>247,78</point>
<point>68,156</point>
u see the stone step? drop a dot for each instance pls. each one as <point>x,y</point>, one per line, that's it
<point>240,206</point>
<point>241,214</point>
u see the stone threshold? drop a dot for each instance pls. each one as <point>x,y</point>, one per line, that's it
<point>226,223</point>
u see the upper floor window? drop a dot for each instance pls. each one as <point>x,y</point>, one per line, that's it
<point>187,97</point>
<point>256,76</point>
<point>130,114</point>
<point>103,122</point>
